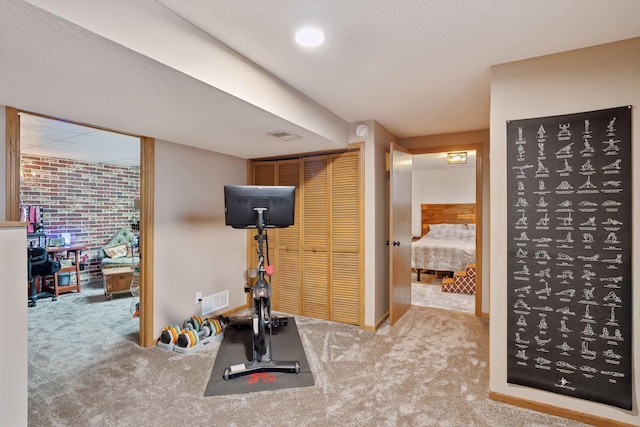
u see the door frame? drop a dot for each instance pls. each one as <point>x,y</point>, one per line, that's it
<point>147,155</point>
<point>479,217</point>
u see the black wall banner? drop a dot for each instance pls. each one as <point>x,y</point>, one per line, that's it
<point>569,255</point>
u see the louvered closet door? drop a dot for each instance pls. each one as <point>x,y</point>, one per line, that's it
<point>287,289</point>
<point>315,232</point>
<point>264,173</point>
<point>345,238</point>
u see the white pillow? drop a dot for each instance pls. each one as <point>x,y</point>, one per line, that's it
<point>447,226</point>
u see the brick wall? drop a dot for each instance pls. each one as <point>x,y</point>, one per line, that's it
<point>90,201</point>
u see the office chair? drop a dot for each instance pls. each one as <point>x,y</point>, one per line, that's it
<point>39,265</point>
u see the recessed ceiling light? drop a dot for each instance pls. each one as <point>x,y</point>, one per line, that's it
<point>309,37</point>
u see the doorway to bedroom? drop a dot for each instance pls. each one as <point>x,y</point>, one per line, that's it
<point>443,230</point>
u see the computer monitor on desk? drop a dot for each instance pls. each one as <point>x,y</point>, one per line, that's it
<point>56,241</point>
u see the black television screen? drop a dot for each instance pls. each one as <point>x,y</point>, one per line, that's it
<point>241,201</point>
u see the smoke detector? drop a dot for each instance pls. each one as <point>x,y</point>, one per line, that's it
<point>284,136</point>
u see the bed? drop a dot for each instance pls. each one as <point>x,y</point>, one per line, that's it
<point>448,241</point>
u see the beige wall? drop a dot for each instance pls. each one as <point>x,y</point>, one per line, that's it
<point>194,251</point>
<point>13,311</point>
<point>13,264</point>
<point>382,144</point>
<point>583,80</point>
<point>456,139</point>
<point>376,207</point>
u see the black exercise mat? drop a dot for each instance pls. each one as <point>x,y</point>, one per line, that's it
<point>236,348</point>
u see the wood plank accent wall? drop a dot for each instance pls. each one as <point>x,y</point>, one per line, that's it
<point>318,260</point>
<point>447,213</point>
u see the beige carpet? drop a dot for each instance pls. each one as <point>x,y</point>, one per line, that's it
<point>428,293</point>
<point>430,369</point>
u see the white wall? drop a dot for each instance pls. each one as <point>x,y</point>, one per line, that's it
<point>13,314</point>
<point>194,251</point>
<point>440,186</point>
<point>583,80</point>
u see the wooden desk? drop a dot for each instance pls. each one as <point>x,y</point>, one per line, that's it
<point>65,252</point>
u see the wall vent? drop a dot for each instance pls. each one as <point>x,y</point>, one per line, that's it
<point>215,302</point>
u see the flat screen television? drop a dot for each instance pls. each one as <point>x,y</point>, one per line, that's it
<point>241,201</point>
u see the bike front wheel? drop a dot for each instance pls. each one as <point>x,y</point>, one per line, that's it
<point>260,340</point>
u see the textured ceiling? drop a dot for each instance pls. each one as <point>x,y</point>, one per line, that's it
<point>417,67</point>
<point>50,66</point>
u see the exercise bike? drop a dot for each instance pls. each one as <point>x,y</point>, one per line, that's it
<point>262,323</point>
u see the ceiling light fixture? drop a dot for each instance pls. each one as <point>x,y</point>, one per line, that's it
<point>457,158</point>
<point>309,37</point>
